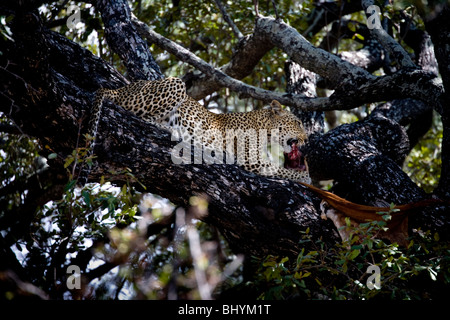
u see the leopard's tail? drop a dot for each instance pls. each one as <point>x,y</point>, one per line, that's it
<point>96,110</point>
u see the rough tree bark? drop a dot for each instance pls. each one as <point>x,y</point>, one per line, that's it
<point>48,84</point>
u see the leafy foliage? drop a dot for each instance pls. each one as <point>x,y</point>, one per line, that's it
<point>420,271</point>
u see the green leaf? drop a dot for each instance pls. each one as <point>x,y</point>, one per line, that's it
<point>357,35</point>
<point>344,267</point>
<point>52,156</point>
<point>393,208</point>
<point>9,18</point>
<point>353,254</point>
<point>340,261</point>
<point>381,223</point>
<point>436,236</point>
<point>348,223</point>
<point>269,264</point>
<point>285,259</point>
<point>318,281</point>
<point>68,161</point>
<point>351,26</point>
<point>86,197</point>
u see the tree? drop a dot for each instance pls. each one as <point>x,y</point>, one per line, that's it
<point>49,80</point>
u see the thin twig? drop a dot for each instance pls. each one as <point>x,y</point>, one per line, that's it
<point>314,23</point>
<point>276,10</point>
<point>197,257</point>
<point>256,4</point>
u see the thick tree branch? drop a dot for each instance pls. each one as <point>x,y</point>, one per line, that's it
<point>420,42</point>
<point>414,114</point>
<point>309,57</point>
<point>300,80</point>
<point>392,46</point>
<point>125,41</point>
<point>62,51</point>
<point>374,176</point>
<point>246,55</point>
<point>369,57</point>
<point>416,84</point>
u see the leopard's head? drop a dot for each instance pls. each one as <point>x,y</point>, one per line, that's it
<point>292,136</point>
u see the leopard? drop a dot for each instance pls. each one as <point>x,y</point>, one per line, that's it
<point>244,137</point>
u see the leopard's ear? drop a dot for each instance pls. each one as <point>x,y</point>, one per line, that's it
<point>276,107</point>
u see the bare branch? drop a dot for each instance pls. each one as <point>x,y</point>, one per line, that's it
<point>228,19</point>
<point>356,85</point>
<point>275,9</point>
<point>370,57</point>
<point>20,287</point>
<point>417,84</point>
